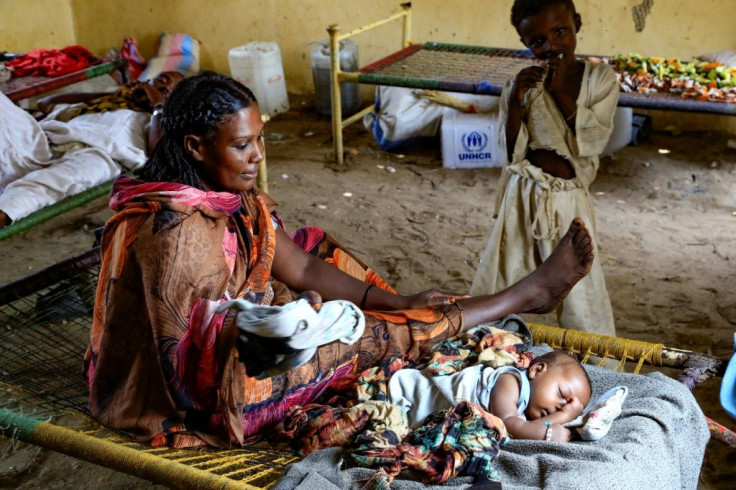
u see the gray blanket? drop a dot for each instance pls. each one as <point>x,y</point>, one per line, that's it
<point>657,442</point>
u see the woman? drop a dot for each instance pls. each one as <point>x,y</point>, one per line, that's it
<point>194,232</point>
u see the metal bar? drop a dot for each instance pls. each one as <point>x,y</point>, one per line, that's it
<point>19,88</point>
<point>111,455</point>
<point>348,77</point>
<point>54,210</point>
<point>406,25</point>
<point>373,25</point>
<point>357,116</point>
<point>337,76</point>
<point>262,180</point>
<point>336,102</point>
<point>394,81</point>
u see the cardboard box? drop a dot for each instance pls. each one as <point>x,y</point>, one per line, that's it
<point>470,141</point>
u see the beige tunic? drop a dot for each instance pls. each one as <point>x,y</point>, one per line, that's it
<point>534,209</point>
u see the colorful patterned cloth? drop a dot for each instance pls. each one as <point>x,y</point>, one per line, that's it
<point>464,440</point>
<point>163,366</point>
<point>126,97</point>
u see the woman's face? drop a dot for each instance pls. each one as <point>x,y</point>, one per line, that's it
<point>230,162</point>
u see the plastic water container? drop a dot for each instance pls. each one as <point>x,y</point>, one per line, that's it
<point>621,134</point>
<point>349,92</point>
<point>257,65</point>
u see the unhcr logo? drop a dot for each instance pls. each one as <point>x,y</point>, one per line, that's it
<point>474,143</point>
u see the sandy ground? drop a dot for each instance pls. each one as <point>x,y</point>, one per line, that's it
<point>665,228</point>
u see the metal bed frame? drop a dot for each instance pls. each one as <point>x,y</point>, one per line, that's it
<point>459,68</point>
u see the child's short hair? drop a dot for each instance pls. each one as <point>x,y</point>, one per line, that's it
<point>561,359</point>
<point>526,8</point>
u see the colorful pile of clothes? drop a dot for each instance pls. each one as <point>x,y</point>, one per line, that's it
<point>464,440</point>
<point>52,62</point>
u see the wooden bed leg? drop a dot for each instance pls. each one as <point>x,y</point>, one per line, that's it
<point>333,31</point>
<point>723,434</point>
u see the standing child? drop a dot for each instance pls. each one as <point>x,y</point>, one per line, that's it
<point>554,121</point>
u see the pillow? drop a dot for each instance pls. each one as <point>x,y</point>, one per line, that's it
<point>175,52</point>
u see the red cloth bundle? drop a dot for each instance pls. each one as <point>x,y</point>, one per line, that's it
<point>52,62</point>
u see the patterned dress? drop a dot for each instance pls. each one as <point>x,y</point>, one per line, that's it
<point>162,364</point>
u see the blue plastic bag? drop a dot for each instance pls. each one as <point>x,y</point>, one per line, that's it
<point>728,385</point>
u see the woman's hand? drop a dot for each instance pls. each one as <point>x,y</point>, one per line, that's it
<point>313,298</point>
<point>430,298</point>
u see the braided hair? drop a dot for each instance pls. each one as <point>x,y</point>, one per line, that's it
<point>521,9</point>
<point>198,105</point>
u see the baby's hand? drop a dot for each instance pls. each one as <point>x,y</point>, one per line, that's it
<point>573,408</point>
<point>560,433</point>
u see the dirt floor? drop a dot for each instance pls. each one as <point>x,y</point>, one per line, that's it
<point>665,225</point>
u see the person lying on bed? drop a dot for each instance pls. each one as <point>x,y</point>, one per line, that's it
<point>194,232</point>
<point>534,403</point>
<point>76,147</point>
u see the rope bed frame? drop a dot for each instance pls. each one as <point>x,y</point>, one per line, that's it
<point>45,321</point>
<point>459,68</point>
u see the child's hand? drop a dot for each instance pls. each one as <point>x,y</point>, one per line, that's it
<point>555,82</point>
<point>526,79</point>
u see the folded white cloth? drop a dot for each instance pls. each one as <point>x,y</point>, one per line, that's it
<point>280,338</point>
<point>596,420</point>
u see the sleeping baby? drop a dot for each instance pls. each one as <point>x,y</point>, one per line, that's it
<point>535,403</point>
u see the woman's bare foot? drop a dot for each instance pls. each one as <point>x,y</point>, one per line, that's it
<point>569,262</point>
<point>543,289</point>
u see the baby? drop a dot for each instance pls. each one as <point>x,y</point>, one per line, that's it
<point>533,404</point>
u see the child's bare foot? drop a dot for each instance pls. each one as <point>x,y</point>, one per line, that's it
<point>570,261</point>
<point>4,219</point>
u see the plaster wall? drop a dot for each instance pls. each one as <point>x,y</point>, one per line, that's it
<point>31,24</point>
<point>679,28</point>
<point>671,28</point>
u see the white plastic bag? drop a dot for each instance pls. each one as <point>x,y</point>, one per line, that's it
<point>402,117</point>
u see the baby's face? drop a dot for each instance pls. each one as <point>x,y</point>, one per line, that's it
<point>554,387</point>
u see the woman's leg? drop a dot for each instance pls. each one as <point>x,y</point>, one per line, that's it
<point>412,333</point>
<point>543,289</point>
